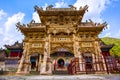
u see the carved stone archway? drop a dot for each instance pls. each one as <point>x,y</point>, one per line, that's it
<point>35,60</point>
<point>60,56</point>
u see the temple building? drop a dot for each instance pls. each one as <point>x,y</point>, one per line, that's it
<point>15,50</point>
<point>14,55</point>
<point>62,42</point>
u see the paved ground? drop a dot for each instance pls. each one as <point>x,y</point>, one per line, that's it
<point>63,77</point>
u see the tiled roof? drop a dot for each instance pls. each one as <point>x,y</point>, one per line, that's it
<point>103,45</point>
<point>16,45</point>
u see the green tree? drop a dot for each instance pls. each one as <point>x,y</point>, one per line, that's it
<point>7,52</point>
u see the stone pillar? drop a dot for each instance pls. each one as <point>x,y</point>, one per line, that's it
<point>49,59</point>
<point>77,51</point>
<point>74,45</point>
<point>27,60</point>
<point>49,37</point>
<point>96,46</point>
<point>93,59</point>
<point>27,65</point>
<point>39,64</point>
<point>43,65</point>
<point>21,63</point>
<point>50,66</point>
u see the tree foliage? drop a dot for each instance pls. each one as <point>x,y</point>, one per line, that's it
<point>7,52</point>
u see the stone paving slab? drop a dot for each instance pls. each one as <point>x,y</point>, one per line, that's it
<point>62,77</point>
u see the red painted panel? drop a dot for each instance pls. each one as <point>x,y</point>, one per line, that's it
<point>105,53</point>
<point>15,54</point>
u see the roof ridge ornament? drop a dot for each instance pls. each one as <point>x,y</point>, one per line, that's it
<point>84,8</point>
<point>104,24</point>
<point>38,8</point>
<point>71,6</point>
<point>32,21</point>
<point>49,7</point>
<point>18,24</point>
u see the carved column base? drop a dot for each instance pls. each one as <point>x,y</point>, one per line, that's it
<point>22,73</point>
<point>46,73</point>
<point>50,68</point>
<point>25,70</point>
<point>43,68</point>
<point>18,72</point>
<point>43,73</point>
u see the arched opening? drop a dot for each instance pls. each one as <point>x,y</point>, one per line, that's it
<point>34,60</point>
<point>60,59</point>
<point>88,61</point>
<point>60,63</point>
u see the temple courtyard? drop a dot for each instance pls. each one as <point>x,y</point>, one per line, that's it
<point>63,77</point>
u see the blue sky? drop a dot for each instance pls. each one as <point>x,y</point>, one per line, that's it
<point>13,11</point>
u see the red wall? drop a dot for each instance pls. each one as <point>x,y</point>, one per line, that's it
<point>105,53</point>
<point>15,54</point>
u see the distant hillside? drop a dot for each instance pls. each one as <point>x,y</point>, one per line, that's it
<point>115,51</point>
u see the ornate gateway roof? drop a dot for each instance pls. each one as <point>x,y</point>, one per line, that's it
<point>57,20</point>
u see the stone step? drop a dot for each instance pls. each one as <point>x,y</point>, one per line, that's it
<point>65,72</point>
<point>35,72</point>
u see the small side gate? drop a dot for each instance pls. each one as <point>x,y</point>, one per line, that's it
<point>87,67</point>
<point>112,64</point>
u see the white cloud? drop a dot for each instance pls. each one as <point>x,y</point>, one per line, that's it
<point>115,35</point>
<point>60,4</point>
<point>36,17</point>
<point>11,21</point>
<point>1,31</point>
<point>8,31</point>
<point>107,35</point>
<point>2,14</point>
<point>96,7</point>
<point>8,39</point>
